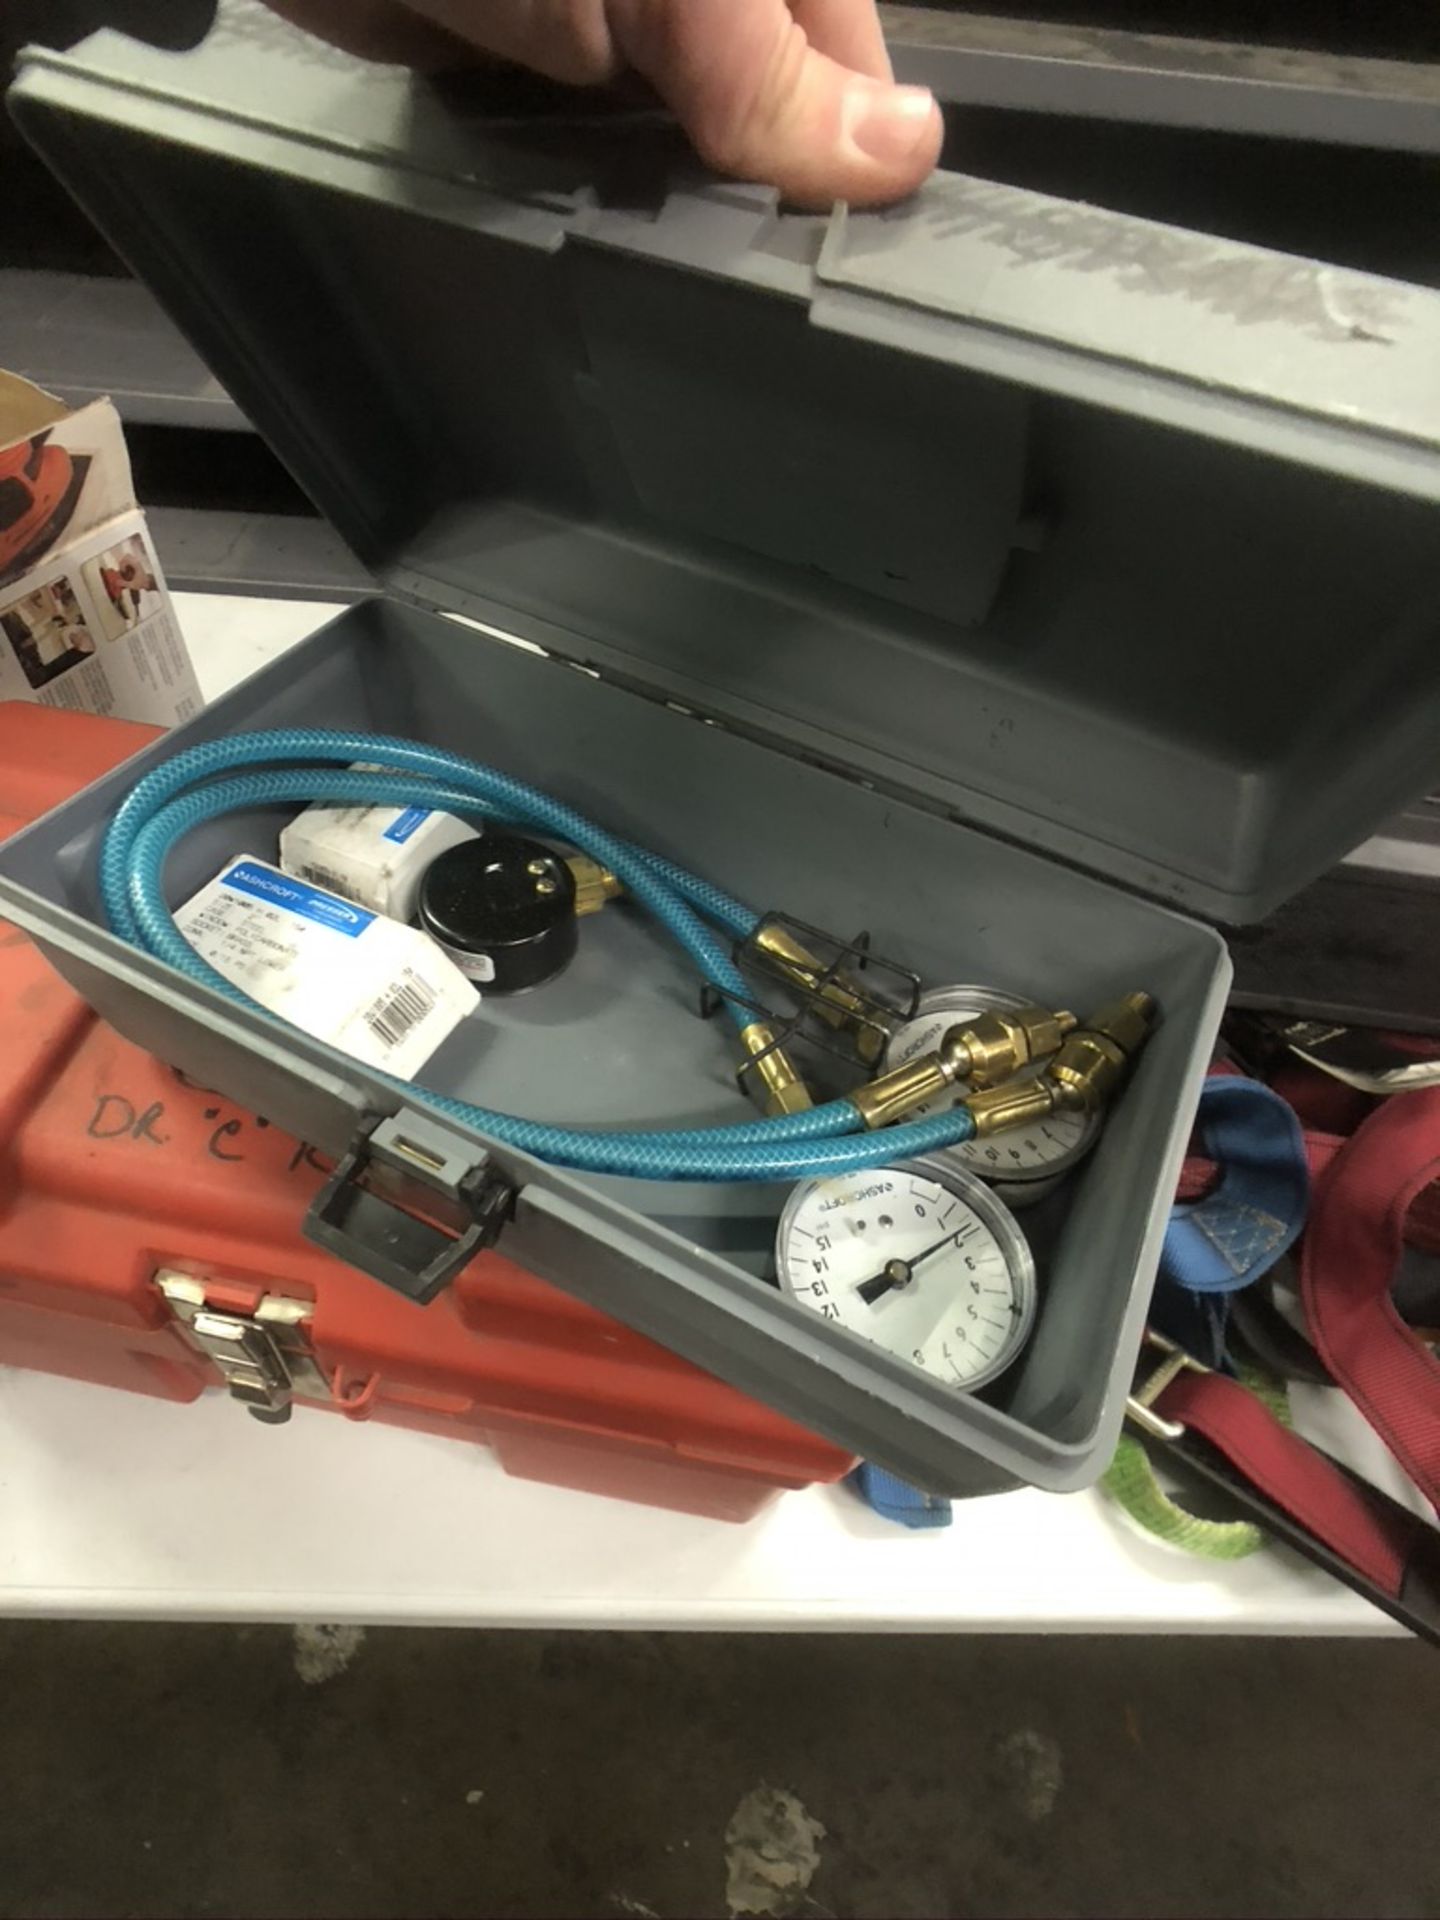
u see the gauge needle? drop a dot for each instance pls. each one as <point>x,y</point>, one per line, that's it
<point>897,1273</point>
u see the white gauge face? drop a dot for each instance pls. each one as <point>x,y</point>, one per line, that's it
<point>924,1262</point>
<point>1021,1155</point>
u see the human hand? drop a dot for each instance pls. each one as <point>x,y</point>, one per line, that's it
<point>795,93</point>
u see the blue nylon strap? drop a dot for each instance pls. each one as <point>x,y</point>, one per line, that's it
<point>1219,1244</point>
<point>897,1500</point>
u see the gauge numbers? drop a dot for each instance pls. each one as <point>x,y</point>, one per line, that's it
<point>922,1260</point>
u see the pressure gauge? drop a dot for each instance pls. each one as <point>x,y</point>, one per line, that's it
<point>1024,1163</point>
<point>919,1258</point>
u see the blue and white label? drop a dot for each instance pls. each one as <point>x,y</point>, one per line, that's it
<point>298,897</point>
<point>410,821</point>
<point>380,991</point>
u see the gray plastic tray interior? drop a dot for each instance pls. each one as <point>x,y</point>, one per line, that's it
<point>619,1039</point>
<point>1117,540</point>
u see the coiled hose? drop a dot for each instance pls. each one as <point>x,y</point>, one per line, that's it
<point>196,786</point>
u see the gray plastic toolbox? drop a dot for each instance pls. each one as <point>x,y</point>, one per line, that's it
<point>1201,77</point>
<point>980,573</point>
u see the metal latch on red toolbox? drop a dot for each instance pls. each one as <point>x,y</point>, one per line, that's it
<point>264,1356</point>
<point>411,1204</point>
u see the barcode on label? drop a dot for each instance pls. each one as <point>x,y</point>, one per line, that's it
<point>400,1009</point>
<point>322,877</point>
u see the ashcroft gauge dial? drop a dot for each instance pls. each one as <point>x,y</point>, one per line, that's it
<point>919,1258</point>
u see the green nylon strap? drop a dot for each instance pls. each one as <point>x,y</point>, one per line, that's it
<point>1131,1482</point>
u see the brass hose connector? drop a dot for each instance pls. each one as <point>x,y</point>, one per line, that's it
<point>995,1046</point>
<point>784,1090</point>
<point>594,884</point>
<point>1097,1056</point>
<point>1084,1074</point>
<point>836,997</point>
<point>985,1052</point>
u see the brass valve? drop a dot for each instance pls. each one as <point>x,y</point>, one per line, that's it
<point>594,884</point>
<point>785,1091</point>
<point>1097,1056</point>
<point>1084,1073</point>
<point>994,1046</point>
<point>837,998</point>
<point>989,1050</point>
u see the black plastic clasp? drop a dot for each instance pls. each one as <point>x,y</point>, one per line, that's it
<point>410,1204</point>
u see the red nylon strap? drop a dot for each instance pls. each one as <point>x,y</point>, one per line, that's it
<point>1422,1229</point>
<point>1347,1264</point>
<point>1320,1150</point>
<point>1290,1471</point>
<point>1198,1177</point>
<point>1324,1104</point>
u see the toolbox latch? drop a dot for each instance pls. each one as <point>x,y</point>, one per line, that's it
<point>411,1204</point>
<point>264,1357</point>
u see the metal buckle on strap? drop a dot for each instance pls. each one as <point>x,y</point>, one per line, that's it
<point>1140,1407</point>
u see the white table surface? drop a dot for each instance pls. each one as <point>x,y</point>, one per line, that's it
<point>114,1505</point>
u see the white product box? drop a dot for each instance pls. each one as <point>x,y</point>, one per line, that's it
<point>376,856</point>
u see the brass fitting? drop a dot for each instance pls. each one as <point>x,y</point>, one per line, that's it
<point>1084,1074</point>
<point>991,1049</point>
<point>785,1091</point>
<point>994,1046</point>
<point>895,1094</point>
<point>1098,1055</point>
<point>838,999</point>
<point>1015,1104</point>
<point>594,884</point>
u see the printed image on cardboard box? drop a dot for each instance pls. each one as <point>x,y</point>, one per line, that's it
<point>123,585</point>
<point>47,632</point>
<point>85,617</point>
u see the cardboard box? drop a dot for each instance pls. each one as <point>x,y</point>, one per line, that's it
<point>85,617</point>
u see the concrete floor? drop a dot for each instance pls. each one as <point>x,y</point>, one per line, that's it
<point>214,1770</point>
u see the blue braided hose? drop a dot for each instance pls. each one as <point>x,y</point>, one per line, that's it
<point>186,791</point>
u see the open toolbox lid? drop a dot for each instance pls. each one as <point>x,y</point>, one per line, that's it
<point>1111,538</point>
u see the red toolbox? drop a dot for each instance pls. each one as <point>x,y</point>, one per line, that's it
<point>150,1239</point>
